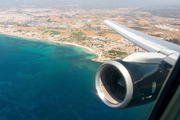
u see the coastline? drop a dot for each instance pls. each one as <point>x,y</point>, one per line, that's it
<point>89,49</point>
<point>98,59</point>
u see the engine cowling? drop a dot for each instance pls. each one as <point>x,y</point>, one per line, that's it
<point>123,84</point>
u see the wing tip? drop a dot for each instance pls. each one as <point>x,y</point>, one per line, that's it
<point>106,21</point>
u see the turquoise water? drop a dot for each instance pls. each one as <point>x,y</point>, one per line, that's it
<point>50,81</point>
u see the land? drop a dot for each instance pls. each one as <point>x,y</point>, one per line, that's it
<point>85,27</point>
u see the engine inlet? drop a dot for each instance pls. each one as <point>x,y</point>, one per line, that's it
<point>114,84</point>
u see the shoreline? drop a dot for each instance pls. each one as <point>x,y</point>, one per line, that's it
<point>74,44</point>
<point>67,43</point>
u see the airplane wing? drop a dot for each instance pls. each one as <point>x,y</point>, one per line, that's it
<point>147,42</point>
<point>136,79</point>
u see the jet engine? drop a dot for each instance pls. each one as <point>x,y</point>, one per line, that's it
<point>130,82</point>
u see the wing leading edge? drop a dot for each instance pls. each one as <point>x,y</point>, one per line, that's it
<point>147,42</point>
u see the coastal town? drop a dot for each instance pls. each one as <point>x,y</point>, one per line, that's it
<point>84,26</point>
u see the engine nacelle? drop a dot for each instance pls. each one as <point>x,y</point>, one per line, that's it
<point>123,84</point>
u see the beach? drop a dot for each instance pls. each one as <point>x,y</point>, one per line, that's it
<point>98,59</point>
<point>91,50</point>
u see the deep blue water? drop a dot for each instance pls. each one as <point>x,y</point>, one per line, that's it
<point>48,81</point>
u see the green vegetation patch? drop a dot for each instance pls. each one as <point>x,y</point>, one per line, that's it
<point>79,33</point>
<point>56,28</point>
<point>174,41</point>
<point>41,29</point>
<point>46,32</point>
<point>115,52</point>
<point>49,20</point>
<point>112,57</point>
<point>50,28</point>
<point>62,28</point>
<point>55,32</point>
<point>157,35</point>
<point>138,28</point>
<point>100,33</point>
<point>19,30</point>
<point>146,25</point>
<point>124,21</point>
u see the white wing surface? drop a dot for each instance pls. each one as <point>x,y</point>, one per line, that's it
<point>147,42</point>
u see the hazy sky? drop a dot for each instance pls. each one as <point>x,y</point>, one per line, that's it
<point>91,2</point>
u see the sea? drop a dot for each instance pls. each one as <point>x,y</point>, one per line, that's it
<point>41,80</point>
